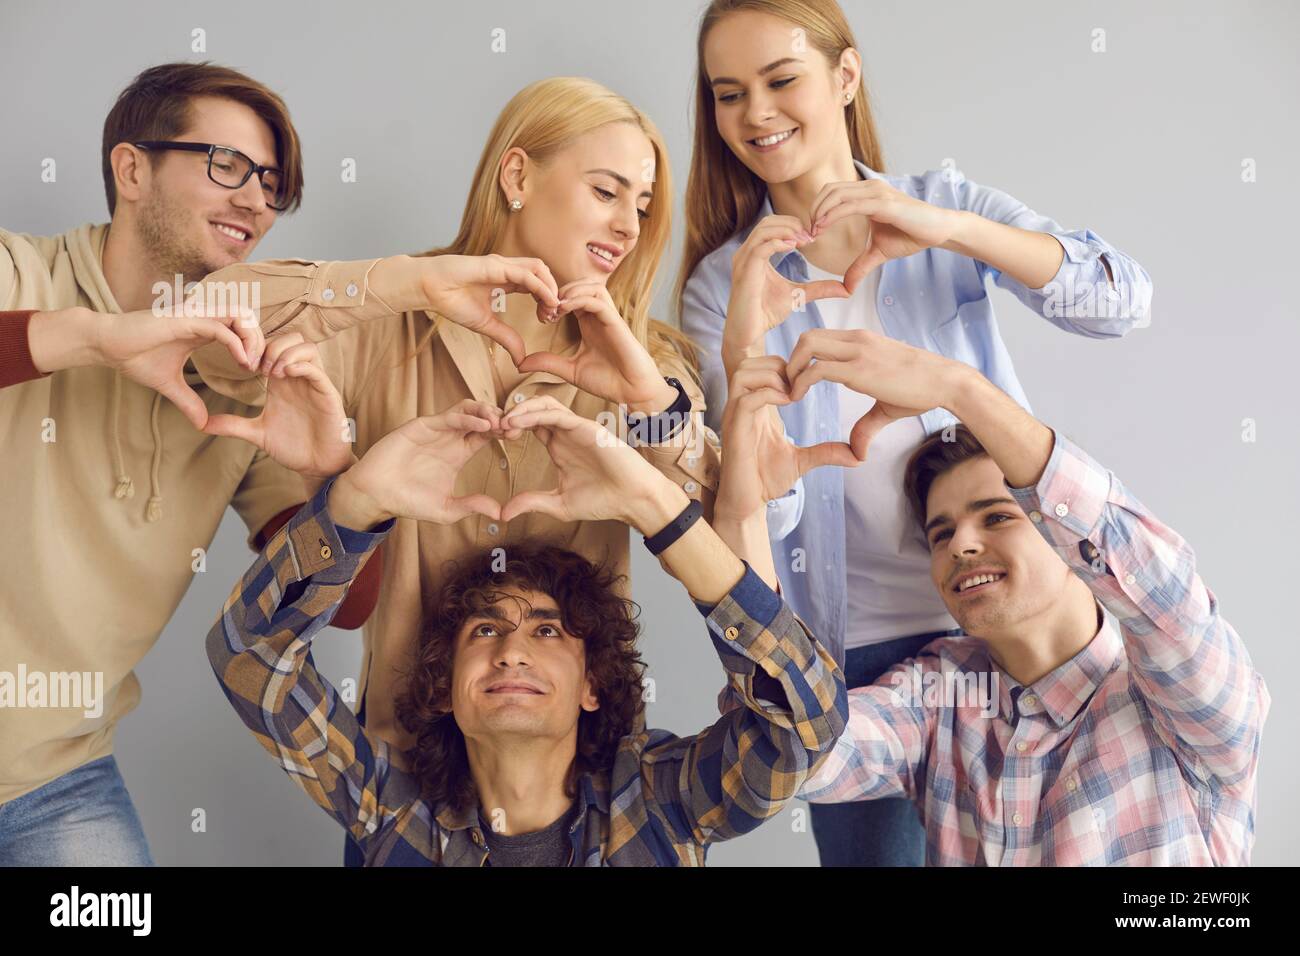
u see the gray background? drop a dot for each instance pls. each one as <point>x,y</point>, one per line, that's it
<point>1143,144</point>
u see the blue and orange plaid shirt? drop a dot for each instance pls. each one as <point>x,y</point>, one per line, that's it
<point>662,803</point>
<point>1142,749</point>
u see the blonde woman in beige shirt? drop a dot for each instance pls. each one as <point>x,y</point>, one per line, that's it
<point>563,231</point>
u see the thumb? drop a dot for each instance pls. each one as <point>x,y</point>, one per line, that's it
<point>565,368</point>
<point>826,289</point>
<point>501,333</point>
<point>187,400</point>
<point>474,504</point>
<point>865,430</point>
<point>827,453</point>
<point>543,502</point>
<point>870,258</point>
<point>235,426</point>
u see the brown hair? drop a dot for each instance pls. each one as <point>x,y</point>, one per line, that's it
<point>722,195</point>
<point>590,609</point>
<point>937,454</point>
<point>157,106</point>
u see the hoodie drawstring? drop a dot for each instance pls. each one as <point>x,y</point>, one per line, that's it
<point>154,511</point>
<point>125,486</point>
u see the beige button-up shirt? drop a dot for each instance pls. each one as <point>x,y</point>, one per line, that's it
<point>367,333</point>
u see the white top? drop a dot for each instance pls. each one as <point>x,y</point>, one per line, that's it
<point>887,561</point>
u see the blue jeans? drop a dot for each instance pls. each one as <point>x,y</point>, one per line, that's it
<point>872,832</point>
<point>83,818</point>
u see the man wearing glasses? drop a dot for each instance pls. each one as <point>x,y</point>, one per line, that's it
<point>115,495</point>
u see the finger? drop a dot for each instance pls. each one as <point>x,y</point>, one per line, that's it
<point>869,259</point>
<point>542,502</point>
<point>470,406</point>
<point>866,429</point>
<point>580,287</point>
<point>747,380</point>
<point>276,346</point>
<point>215,331</point>
<point>789,226</point>
<point>532,404</point>
<point>501,333</point>
<point>823,197</point>
<point>835,194</point>
<point>762,361</point>
<point>462,422</point>
<point>841,194</point>
<point>809,377</point>
<point>826,453</point>
<point>845,206</point>
<point>474,505</point>
<point>760,398</point>
<point>235,426</point>
<point>816,344</point>
<point>187,400</point>
<point>314,374</point>
<point>824,289</point>
<point>764,250</point>
<point>254,339</point>
<point>561,418</point>
<point>588,303</point>
<point>565,367</point>
<point>303,352</point>
<point>534,278</point>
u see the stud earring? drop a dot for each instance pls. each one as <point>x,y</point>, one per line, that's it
<point>516,205</point>
<point>848,97</point>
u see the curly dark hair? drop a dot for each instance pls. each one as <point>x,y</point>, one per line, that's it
<point>590,608</point>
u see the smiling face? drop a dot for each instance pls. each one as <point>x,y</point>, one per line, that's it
<point>517,672</point>
<point>778,107</point>
<point>583,208</point>
<point>978,533</point>
<point>188,224</point>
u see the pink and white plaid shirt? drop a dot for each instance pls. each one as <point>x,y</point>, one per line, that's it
<point>1140,750</point>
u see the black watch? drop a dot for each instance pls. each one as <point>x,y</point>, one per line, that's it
<point>646,429</point>
<point>660,540</point>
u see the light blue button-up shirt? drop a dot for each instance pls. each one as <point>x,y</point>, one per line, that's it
<point>935,300</point>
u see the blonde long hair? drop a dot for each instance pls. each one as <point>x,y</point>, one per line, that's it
<point>722,195</point>
<point>542,119</point>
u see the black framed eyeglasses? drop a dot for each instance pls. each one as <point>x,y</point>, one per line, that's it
<point>230,168</point>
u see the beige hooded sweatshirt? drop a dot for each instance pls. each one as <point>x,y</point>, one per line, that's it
<point>112,499</point>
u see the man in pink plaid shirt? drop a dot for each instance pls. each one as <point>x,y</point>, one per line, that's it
<point>1122,716</point>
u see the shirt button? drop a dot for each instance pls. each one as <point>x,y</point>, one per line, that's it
<point>732,633</point>
<point>1030,700</point>
<point>690,487</point>
<point>326,551</point>
<point>492,528</point>
<point>352,290</point>
<point>328,295</point>
<point>503,464</point>
<point>1021,746</point>
<point>1017,819</point>
<point>772,503</point>
<point>1129,579</point>
<point>889,300</point>
<point>1071,785</point>
<point>1035,517</point>
<point>476,837</point>
<point>517,397</point>
<point>1062,510</point>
